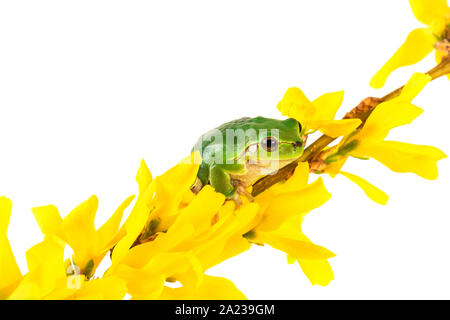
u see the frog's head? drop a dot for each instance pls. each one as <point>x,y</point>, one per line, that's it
<point>276,140</point>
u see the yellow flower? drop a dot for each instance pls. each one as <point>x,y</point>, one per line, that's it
<point>435,14</point>
<point>195,232</point>
<point>45,267</point>
<point>369,142</point>
<point>179,219</point>
<point>9,271</point>
<point>77,229</point>
<point>318,114</point>
<point>158,203</point>
<point>316,268</point>
<point>47,279</point>
<point>397,156</point>
<point>332,163</point>
<point>283,208</point>
<point>189,242</point>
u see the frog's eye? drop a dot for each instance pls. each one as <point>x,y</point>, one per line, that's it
<point>299,127</point>
<point>269,144</point>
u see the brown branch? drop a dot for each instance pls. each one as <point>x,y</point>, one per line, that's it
<point>361,111</point>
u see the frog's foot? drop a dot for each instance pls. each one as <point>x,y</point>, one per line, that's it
<point>197,186</point>
<point>236,198</point>
<point>240,190</point>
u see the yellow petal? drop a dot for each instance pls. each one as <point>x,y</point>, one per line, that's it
<point>287,205</point>
<point>212,288</point>
<point>394,113</point>
<point>108,230</point>
<point>319,114</point>
<point>335,167</point>
<point>292,229</point>
<point>370,190</point>
<point>201,210</point>
<point>5,214</point>
<point>296,105</point>
<point>406,157</point>
<point>215,245</point>
<point>336,128</point>
<point>387,115</point>
<point>45,268</point>
<point>140,255</point>
<point>171,188</point>
<point>234,246</point>
<point>296,182</point>
<point>141,283</point>
<point>413,87</point>
<point>79,231</point>
<point>218,288</point>
<point>143,176</point>
<point>429,12</point>
<point>438,55</point>
<point>132,226</point>
<point>294,248</point>
<point>49,220</point>
<point>147,281</point>
<point>417,46</point>
<point>328,104</point>
<point>48,252</point>
<point>318,271</point>
<point>219,249</point>
<point>107,288</point>
<point>9,270</point>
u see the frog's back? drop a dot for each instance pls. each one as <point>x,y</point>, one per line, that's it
<point>241,123</point>
<point>214,145</point>
<point>214,141</point>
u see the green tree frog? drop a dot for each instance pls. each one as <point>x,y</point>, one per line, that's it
<point>238,153</point>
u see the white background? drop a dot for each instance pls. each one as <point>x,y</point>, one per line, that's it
<point>89,88</point>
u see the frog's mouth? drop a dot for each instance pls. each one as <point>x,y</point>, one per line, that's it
<point>298,144</point>
<point>290,150</point>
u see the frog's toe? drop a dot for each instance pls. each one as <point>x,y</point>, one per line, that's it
<point>197,186</point>
<point>242,190</point>
<point>236,198</point>
<point>239,191</point>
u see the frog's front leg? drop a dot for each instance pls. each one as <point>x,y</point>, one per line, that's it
<point>219,178</point>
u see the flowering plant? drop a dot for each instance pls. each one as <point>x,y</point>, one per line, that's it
<point>173,234</point>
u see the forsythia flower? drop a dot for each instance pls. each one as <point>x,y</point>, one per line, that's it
<point>318,114</point>
<point>190,239</point>
<point>9,271</point>
<point>46,277</point>
<point>435,14</point>
<point>369,142</point>
<point>182,235</point>
<point>282,209</point>
<point>77,229</point>
<point>397,156</point>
